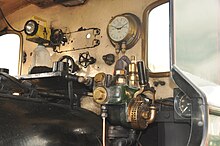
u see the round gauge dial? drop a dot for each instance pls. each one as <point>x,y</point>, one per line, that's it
<point>124,28</point>
<point>183,105</point>
<point>118,28</point>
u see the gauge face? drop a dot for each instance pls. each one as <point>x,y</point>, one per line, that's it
<point>118,28</point>
<point>183,105</point>
<point>124,29</point>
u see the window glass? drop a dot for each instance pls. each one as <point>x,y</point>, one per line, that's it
<point>9,52</point>
<point>158,39</point>
<point>197,38</point>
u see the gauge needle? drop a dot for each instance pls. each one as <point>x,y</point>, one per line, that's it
<point>184,109</point>
<point>121,26</point>
<point>114,26</point>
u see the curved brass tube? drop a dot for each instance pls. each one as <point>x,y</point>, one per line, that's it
<point>141,90</point>
<point>152,116</point>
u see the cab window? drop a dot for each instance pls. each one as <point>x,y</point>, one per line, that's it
<point>9,52</point>
<point>158,38</point>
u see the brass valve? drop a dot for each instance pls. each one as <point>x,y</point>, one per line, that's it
<point>100,95</point>
<point>100,77</point>
<point>140,114</point>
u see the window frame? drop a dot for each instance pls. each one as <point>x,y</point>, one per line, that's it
<point>144,56</point>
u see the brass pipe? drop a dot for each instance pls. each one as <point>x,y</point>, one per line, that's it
<point>141,90</point>
<point>153,111</point>
<point>152,116</point>
<point>153,97</point>
<point>153,100</point>
<point>123,47</point>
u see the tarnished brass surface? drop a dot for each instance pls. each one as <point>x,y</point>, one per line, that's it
<point>136,108</point>
<point>140,114</point>
<point>152,114</point>
<point>100,95</point>
<point>133,77</point>
<point>99,77</point>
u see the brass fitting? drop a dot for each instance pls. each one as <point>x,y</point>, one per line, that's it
<point>132,68</point>
<point>150,114</point>
<point>153,111</point>
<point>123,47</point>
<point>100,95</point>
<point>133,78</point>
<point>140,91</point>
<point>100,77</point>
<point>117,48</point>
<point>121,79</point>
<point>120,72</point>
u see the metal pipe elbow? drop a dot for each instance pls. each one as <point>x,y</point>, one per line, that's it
<point>153,111</point>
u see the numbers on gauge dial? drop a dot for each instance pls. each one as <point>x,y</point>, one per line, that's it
<point>118,28</point>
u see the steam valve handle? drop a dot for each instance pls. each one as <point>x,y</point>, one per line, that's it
<point>85,59</point>
<point>143,79</point>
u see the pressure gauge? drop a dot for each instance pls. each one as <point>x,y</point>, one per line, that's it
<point>183,105</point>
<point>124,28</point>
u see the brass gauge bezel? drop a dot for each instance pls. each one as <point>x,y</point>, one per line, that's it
<point>133,34</point>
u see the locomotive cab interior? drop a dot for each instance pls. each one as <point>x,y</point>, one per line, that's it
<point>109,73</point>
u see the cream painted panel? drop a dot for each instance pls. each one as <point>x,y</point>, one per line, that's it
<point>95,13</point>
<point>163,91</point>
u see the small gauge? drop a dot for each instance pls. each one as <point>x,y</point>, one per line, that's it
<point>183,105</point>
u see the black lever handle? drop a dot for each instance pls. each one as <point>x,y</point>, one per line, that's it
<point>143,78</point>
